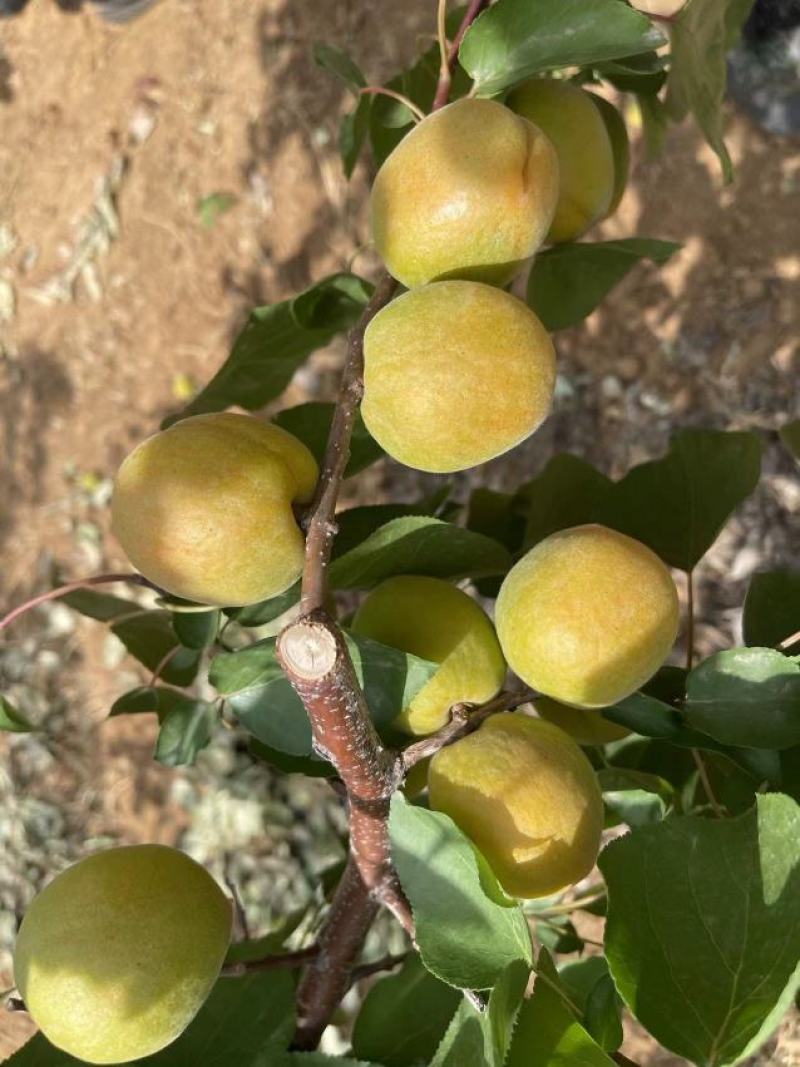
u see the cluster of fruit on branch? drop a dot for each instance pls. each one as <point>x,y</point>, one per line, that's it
<point>228,516</point>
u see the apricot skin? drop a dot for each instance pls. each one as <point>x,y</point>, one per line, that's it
<point>434,620</point>
<point>204,509</point>
<point>525,794</point>
<point>586,726</point>
<point>568,116</point>
<point>469,193</point>
<point>587,616</point>
<point>117,954</point>
<point>455,373</point>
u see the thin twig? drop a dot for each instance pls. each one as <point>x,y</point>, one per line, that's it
<point>702,771</point>
<point>446,77</point>
<point>381,90</point>
<point>162,665</point>
<point>464,718</point>
<point>321,527</point>
<point>387,963</point>
<point>788,642</point>
<point>73,587</point>
<point>280,961</point>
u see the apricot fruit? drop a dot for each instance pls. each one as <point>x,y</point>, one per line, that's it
<point>455,373</point>
<point>204,509</point>
<point>430,618</point>
<point>587,616</point>
<point>526,795</point>
<point>584,725</point>
<point>117,954</point>
<point>568,116</point>
<point>469,193</point>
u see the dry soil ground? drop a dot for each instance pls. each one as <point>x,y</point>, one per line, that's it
<point>115,299</point>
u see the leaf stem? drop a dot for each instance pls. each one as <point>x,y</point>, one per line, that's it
<point>381,90</point>
<point>702,771</point>
<point>446,77</point>
<point>73,587</point>
<point>279,961</point>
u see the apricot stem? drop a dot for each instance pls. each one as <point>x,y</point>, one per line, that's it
<point>702,771</point>
<point>73,587</point>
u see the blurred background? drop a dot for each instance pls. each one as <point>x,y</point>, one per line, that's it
<point>159,179</point>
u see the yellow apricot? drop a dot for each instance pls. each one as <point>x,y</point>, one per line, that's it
<point>204,509</point>
<point>584,725</point>
<point>526,795</point>
<point>568,116</point>
<point>620,148</point>
<point>434,620</point>
<point>469,193</point>
<point>587,616</point>
<point>455,373</point>
<point>117,954</point>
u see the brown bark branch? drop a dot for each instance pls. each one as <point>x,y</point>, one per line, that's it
<point>315,659</point>
<point>446,77</point>
<point>321,526</point>
<point>327,979</point>
<point>464,718</point>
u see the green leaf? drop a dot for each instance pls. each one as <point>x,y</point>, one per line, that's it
<point>339,63</point>
<point>642,73</point>
<point>196,629</point>
<point>465,937</point>
<point>185,729</point>
<point>646,715</point>
<point>404,1017</point>
<point>312,422</point>
<point>790,435</point>
<point>13,721</point>
<point>748,697</point>
<point>566,493</point>
<point>703,930</point>
<point>481,1038</point>
<point>515,39</point>
<point>548,1034</point>
<point>241,1020</point>
<point>568,281</point>
<point>602,1014</point>
<point>655,122</point>
<point>211,207</point>
<point>100,606</point>
<point>316,1059</point>
<point>256,948</point>
<point>139,701</point>
<point>266,610</point>
<point>276,340</point>
<point>262,698</point>
<point>678,504</point>
<point>701,35</point>
<point>772,608</point>
<point>634,797</point>
<point>418,545</point>
<point>149,637</point>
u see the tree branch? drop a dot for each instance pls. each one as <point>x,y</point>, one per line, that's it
<point>446,75</point>
<point>321,525</point>
<point>315,659</point>
<point>327,979</point>
<point>464,719</point>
